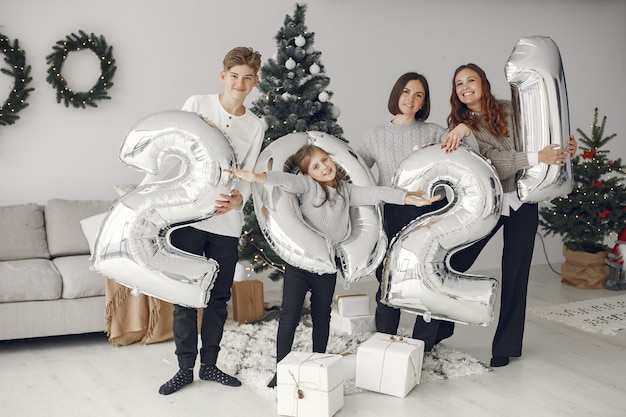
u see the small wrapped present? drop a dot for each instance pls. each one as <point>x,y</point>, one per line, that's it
<point>389,364</point>
<point>348,360</point>
<point>352,325</point>
<point>310,384</point>
<point>350,305</point>
<point>247,300</point>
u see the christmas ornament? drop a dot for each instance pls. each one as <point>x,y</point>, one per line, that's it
<point>133,245</point>
<point>281,222</point>
<point>416,276</point>
<point>314,69</point>
<point>290,64</point>
<point>300,41</point>
<point>535,72</point>
<point>335,111</point>
<point>323,97</point>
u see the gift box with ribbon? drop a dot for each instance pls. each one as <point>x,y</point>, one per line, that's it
<point>310,384</point>
<point>351,305</point>
<point>389,364</point>
<point>352,325</point>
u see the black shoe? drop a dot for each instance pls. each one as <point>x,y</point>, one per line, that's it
<point>498,361</point>
<point>183,377</point>
<point>212,373</point>
<point>272,383</point>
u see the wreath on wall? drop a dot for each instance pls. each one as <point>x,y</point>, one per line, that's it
<point>74,43</point>
<point>20,72</point>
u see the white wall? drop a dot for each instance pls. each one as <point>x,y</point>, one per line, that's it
<point>168,50</point>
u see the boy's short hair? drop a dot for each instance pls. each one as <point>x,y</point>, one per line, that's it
<point>243,55</point>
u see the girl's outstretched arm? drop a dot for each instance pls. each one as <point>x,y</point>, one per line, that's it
<point>249,176</point>
<point>415,198</point>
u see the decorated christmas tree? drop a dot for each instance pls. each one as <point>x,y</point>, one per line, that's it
<point>294,98</point>
<point>596,207</point>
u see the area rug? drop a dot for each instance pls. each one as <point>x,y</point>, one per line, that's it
<point>600,315</point>
<point>249,350</point>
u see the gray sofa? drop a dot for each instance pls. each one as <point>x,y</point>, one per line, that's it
<point>46,285</point>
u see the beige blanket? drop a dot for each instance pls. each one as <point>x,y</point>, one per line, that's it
<point>130,319</point>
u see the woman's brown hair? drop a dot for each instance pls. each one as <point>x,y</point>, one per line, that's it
<point>396,92</point>
<point>493,112</point>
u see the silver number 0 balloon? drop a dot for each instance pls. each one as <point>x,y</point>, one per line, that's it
<point>416,275</point>
<point>133,246</point>
<point>539,97</point>
<point>298,244</point>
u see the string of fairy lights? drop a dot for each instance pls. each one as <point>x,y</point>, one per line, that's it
<point>260,257</point>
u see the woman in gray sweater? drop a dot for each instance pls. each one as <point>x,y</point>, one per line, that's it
<point>387,146</point>
<point>325,197</point>
<point>491,122</point>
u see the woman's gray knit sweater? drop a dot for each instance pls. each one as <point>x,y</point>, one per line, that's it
<point>504,153</point>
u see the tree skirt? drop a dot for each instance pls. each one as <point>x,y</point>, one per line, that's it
<point>249,350</point>
<point>600,315</point>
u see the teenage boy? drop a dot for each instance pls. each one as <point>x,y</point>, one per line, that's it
<point>218,236</point>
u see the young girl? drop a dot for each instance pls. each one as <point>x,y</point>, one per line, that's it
<point>325,197</point>
<point>491,120</point>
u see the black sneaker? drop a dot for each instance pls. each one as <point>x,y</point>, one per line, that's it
<point>272,383</point>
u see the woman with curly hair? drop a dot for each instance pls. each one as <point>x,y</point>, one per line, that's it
<point>491,121</point>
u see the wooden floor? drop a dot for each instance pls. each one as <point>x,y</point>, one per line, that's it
<point>563,372</point>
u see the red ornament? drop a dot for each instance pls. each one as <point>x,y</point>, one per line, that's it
<point>589,154</point>
<point>598,184</point>
<point>604,214</point>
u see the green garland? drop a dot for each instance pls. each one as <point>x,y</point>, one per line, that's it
<point>107,66</point>
<point>16,61</point>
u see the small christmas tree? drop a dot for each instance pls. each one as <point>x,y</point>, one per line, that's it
<point>293,98</point>
<point>596,207</point>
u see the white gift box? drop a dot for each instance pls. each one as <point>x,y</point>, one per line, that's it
<point>350,305</point>
<point>352,325</point>
<point>389,364</point>
<point>310,384</point>
<point>348,361</point>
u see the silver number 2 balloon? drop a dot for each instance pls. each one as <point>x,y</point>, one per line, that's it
<point>133,246</point>
<point>416,275</point>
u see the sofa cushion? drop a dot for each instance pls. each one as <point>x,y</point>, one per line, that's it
<point>23,233</point>
<point>79,280</point>
<point>65,235</point>
<point>29,280</point>
<point>91,227</point>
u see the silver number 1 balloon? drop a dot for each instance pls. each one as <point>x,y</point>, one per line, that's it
<point>539,97</point>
